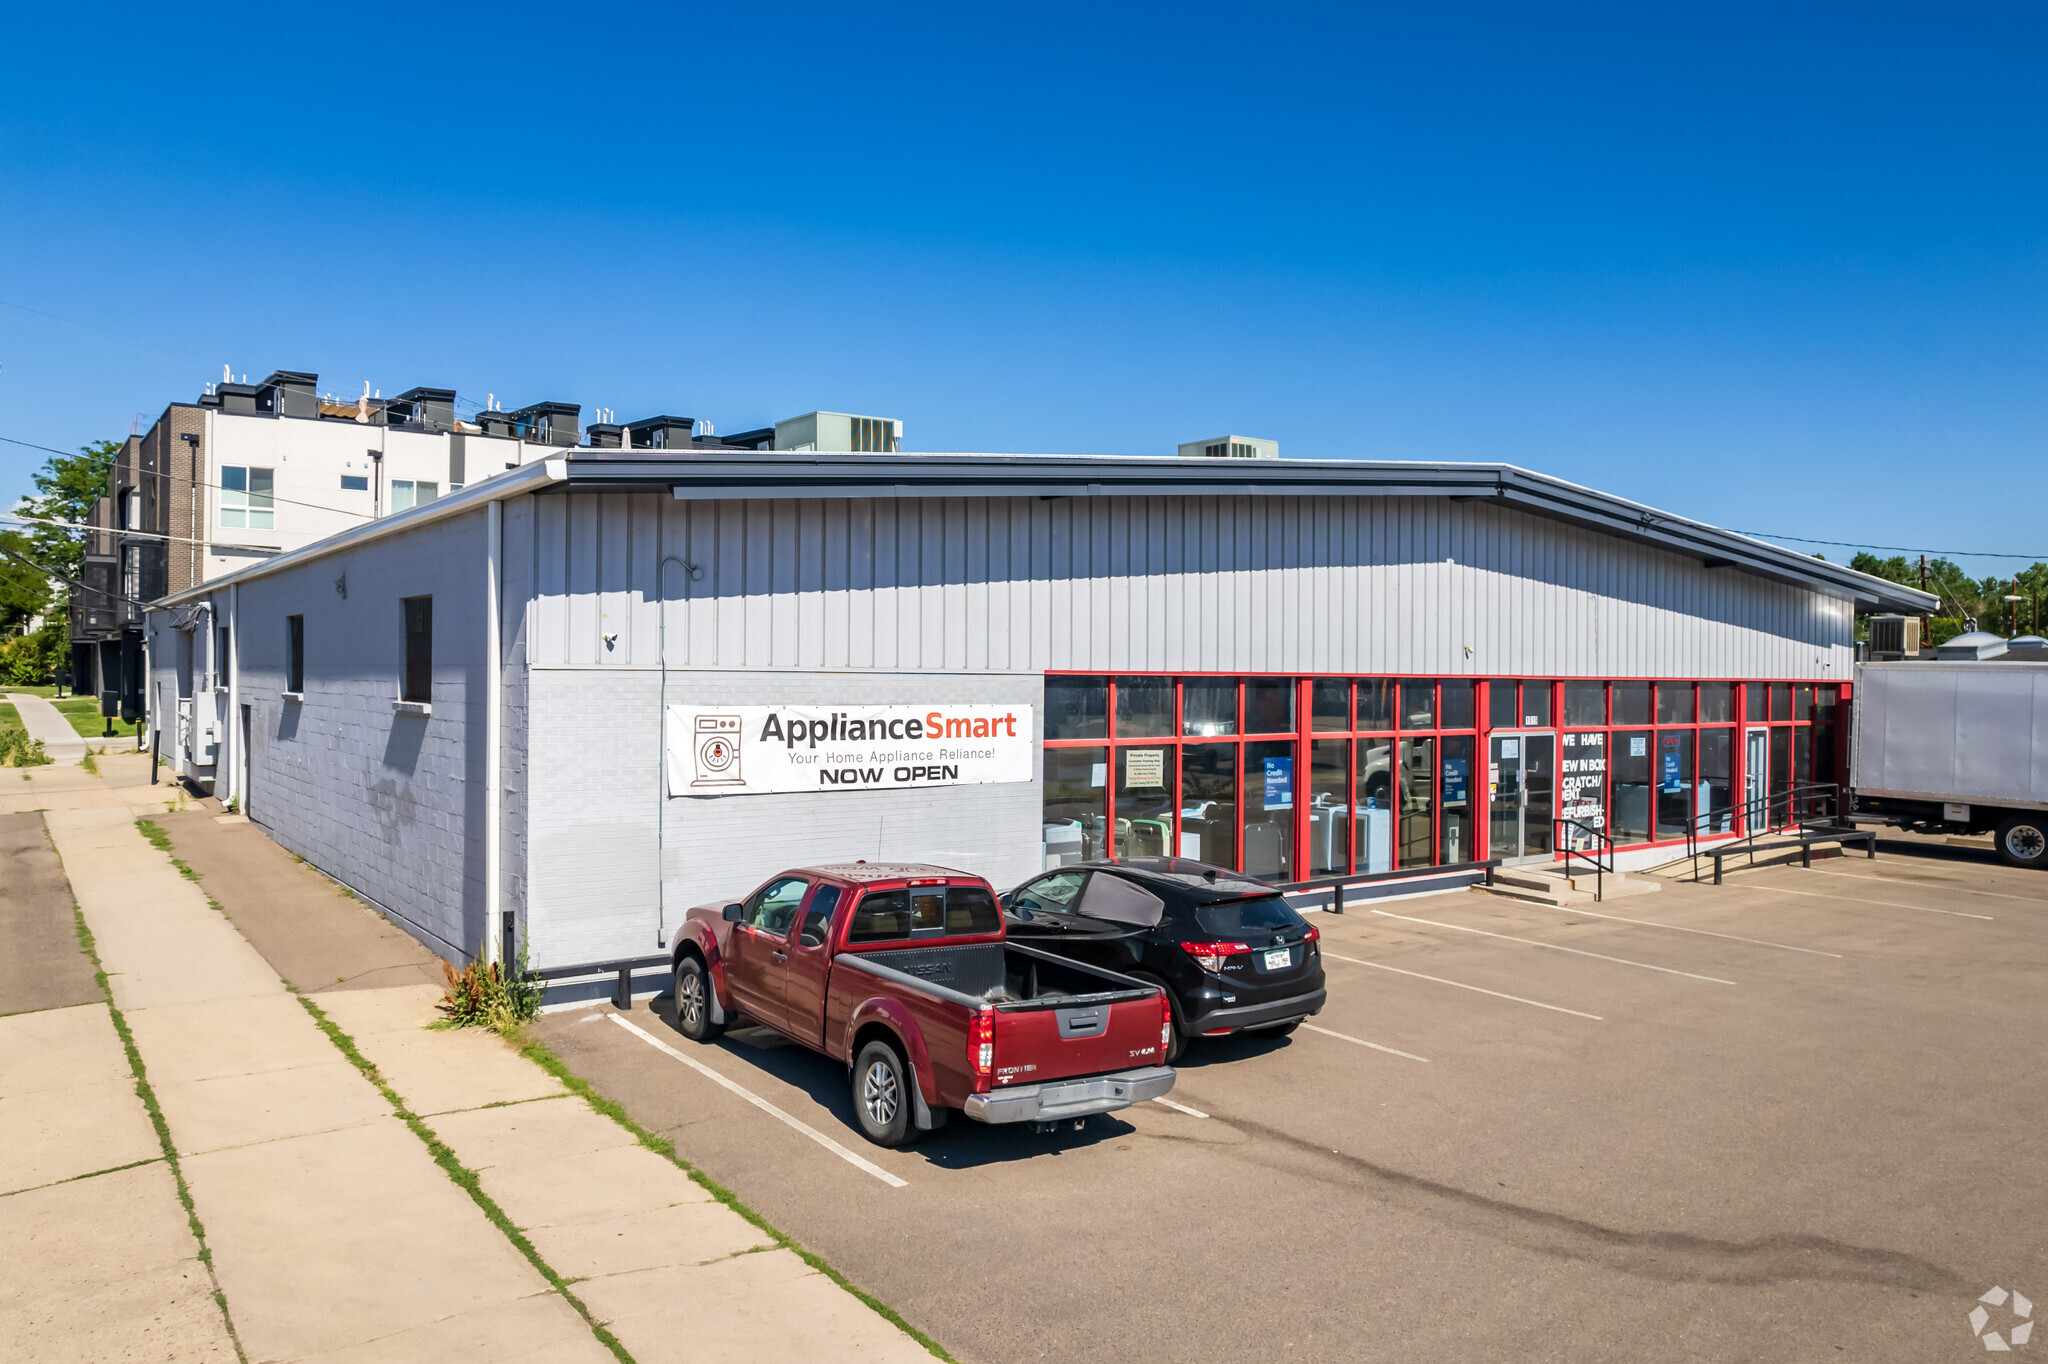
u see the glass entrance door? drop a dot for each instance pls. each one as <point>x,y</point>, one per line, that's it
<point>1522,783</point>
<point>1756,773</point>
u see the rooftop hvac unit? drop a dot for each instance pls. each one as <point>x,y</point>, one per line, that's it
<point>1894,637</point>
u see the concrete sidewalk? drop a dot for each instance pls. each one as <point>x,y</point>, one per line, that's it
<point>44,721</point>
<point>334,1233</point>
<point>335,1236</point>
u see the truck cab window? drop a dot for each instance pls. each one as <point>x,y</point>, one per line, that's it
<point>880,917</point>
<point>970,909</point>
<point>773,907</point>
<point>927,909</point>
<point>818,917</point>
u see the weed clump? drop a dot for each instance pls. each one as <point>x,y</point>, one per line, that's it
<point>486,995</point>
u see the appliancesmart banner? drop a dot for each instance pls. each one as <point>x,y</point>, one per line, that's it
<point>752,750</point>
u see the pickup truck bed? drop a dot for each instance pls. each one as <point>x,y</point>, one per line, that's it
<point>903,972</point>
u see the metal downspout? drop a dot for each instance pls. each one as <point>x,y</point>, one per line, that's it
<point>661,742</point>
<point>494,730</point>
<point>233,721</point>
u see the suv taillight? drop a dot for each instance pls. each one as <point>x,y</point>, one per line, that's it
<point>1313,935</point>
<point>981,1048</point>
<point>1209,955</point>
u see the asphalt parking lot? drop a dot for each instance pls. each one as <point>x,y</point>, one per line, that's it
<point>1795,1117</point>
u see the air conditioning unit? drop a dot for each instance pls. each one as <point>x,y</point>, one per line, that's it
<point>1894,637</point>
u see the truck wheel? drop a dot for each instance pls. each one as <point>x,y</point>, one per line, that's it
<point>881,1095</point>
<point>2023,840</point>
<point>693,1002</point>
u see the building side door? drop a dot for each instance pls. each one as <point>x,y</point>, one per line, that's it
<point>1522,782</point>
<point>1756,780</point>
<point>1504,797</point>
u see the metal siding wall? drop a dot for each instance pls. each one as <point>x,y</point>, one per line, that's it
<point>1212,584</point>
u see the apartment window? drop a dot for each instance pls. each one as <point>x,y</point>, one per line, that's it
<point>355,483</point>
<point>419,649</point>
<point>246,497</point>
<point>406,492</point>
<point>295,653</point>
<point>131,510</point>
<point>131,574</point>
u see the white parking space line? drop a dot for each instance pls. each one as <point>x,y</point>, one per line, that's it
<point>1905,883</point>
<point>1554,947</point>
<point>1182,1108</point>
<point>813,1133</point>
<point>1862,900</point>
<point>1681,928</point>
<point>1476,989</point>
<point>1345,1037</point>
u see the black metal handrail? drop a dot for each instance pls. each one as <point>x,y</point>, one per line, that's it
<point>1337,883</point>
<point>1602,841</point>
<point>1770,813</point>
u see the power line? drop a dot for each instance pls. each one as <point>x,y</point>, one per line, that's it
<point>1896,549</point>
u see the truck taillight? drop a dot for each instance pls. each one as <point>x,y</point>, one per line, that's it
<point>1165,1025</point>
<point>1209,955</point>
<point>981,1045</point>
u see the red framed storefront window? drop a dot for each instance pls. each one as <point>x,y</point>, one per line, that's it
<point>1293,778</point>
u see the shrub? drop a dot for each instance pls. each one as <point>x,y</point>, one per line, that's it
<point>18,750</point>
<point>488,996</point>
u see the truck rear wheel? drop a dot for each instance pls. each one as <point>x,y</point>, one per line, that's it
<point>882,1095</point>
<point>693,1002</point>
<point>2023,840</point>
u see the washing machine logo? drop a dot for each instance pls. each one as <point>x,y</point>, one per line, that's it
<point>718,751</point>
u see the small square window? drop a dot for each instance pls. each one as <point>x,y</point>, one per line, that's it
<point>355,483</point>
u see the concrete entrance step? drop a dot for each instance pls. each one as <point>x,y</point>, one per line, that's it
<point>1547,886</point>
<point>1681,869</point>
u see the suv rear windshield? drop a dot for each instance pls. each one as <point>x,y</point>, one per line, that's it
<point>924,912</point>
<point>1256,914</point>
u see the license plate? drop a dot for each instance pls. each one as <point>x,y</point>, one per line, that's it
<point>1279,959</point>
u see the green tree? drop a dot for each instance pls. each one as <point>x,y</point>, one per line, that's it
<point>68,487</point>
<point>24,591</point>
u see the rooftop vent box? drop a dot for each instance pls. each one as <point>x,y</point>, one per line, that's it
<point>238,398</point>
<point>289,393</point>
<point>1894,637</point>
<point>661,433</point>
<point>841,431</point>
<point>1231,447</point>
<point>422,409</point>
<point>548,423</point>
<point>606,435</point>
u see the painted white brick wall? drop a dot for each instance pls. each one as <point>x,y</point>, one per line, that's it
<point>594,752</point>
<point>384,803</point>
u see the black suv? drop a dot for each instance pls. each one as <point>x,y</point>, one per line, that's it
<point>1228,951</point>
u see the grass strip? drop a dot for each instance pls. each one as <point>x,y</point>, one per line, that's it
<point>661,1146</point>
<point>147,1093</point>
<point>464,1177</point>
<point>90,1174</point>
<point>161,841</point>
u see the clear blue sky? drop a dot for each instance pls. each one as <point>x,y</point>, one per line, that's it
<point>1779,268</point>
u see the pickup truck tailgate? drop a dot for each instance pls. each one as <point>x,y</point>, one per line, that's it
<point>1036,1041</point>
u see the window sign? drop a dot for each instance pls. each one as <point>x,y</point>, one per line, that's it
<point>1454,780</point>
<point>1145,768</point>
<point>1279,783</point>
<point>1098,774</point>
<point>748,750</point>
<point>1511,748</point>
<point>1638,746</point>
<point>1582,779</point>
<point>1672,782</point>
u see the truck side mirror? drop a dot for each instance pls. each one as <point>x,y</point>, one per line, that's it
<point>734,913</point>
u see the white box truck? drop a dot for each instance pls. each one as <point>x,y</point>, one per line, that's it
<point>1955,747</point>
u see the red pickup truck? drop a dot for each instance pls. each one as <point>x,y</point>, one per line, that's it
<point>903,972</point>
